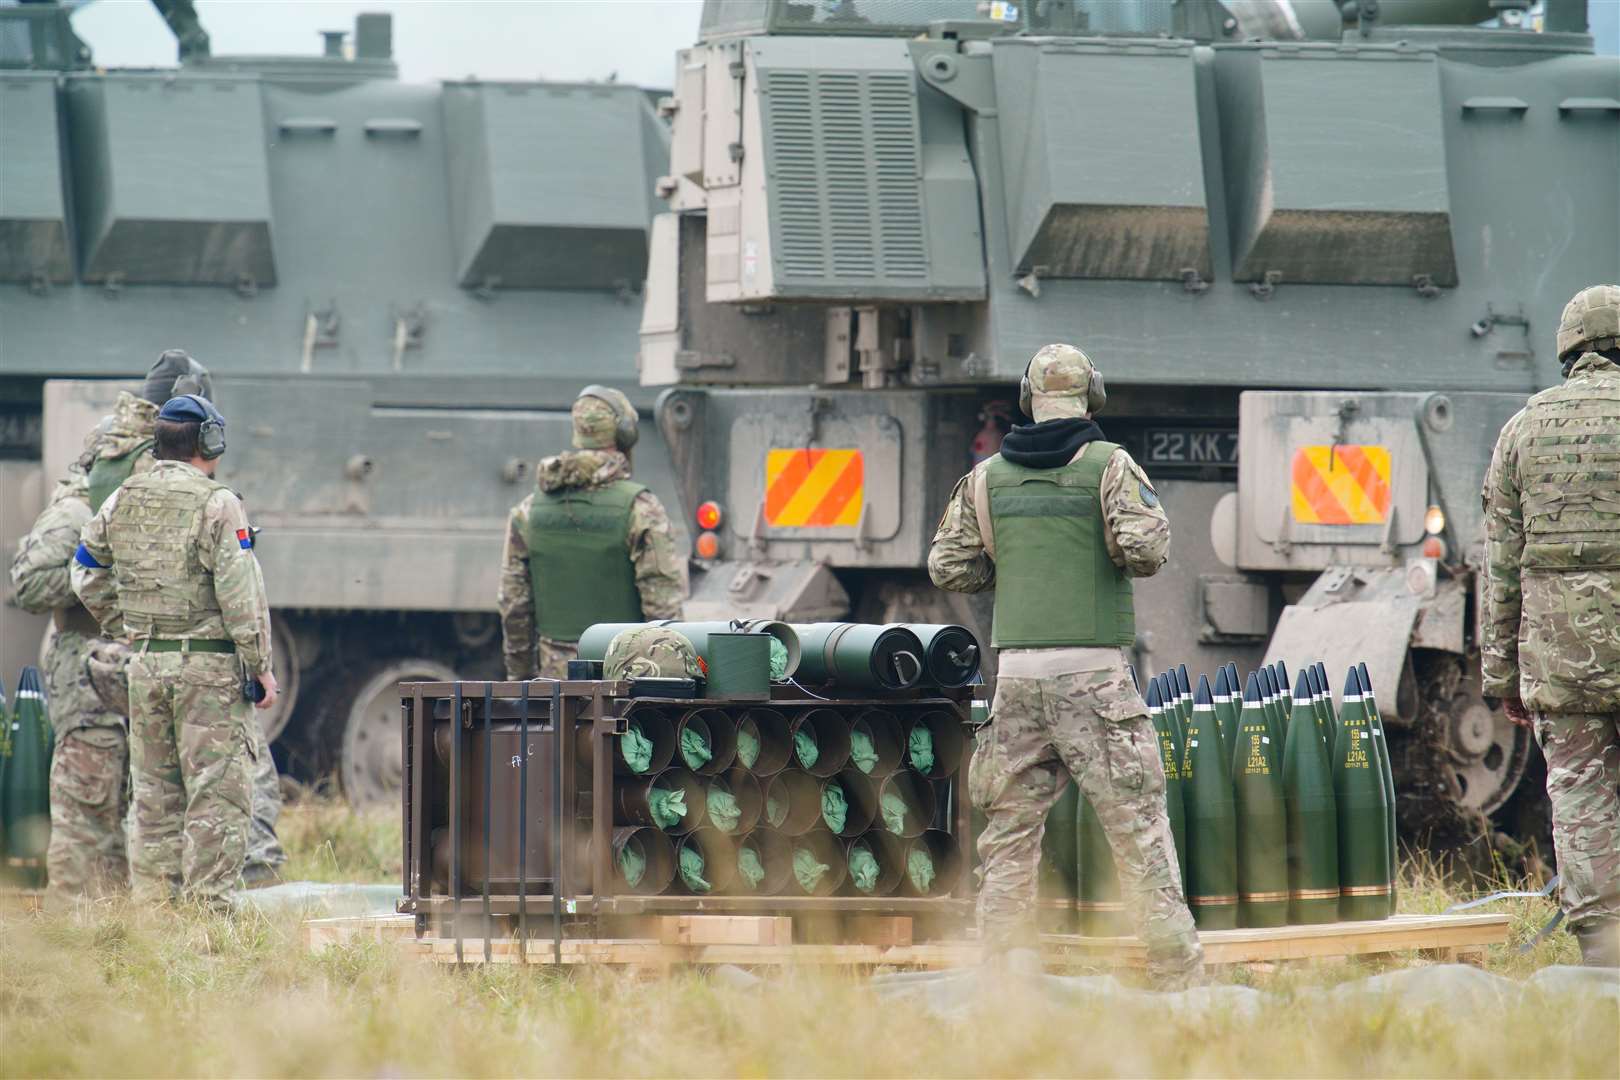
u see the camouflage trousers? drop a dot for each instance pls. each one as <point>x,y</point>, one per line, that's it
<point>89,778</point>
<point>1073,712</point>
<point>554,657</point>
<point>265,855</point>
<point>1583,772</point>
<point>194,750</point>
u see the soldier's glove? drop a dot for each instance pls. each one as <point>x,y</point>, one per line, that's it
<point>1516,712</point>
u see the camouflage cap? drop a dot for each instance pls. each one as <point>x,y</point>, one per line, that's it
<point>1060,380</point>
<point>1591,320</point>
<point>651,652</point>
<point>174,375</point>
<point>107,664</point>
<point>597,414</point>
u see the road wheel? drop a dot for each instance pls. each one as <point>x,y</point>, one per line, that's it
<point>370,764</point>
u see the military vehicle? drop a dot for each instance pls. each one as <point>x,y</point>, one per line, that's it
<point>399,289</point>
<point>1318,249</point>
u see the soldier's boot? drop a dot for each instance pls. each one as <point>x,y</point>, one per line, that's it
<point>1600,942</point>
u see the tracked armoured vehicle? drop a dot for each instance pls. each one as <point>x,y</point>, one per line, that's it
<point>399,289</point>
<point>1319,251</point>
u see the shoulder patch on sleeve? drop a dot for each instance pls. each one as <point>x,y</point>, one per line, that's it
<point>1145,490</point>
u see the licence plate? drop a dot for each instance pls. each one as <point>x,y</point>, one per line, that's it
<point>1191,446</point>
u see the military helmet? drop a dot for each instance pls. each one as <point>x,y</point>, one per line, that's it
<point>651,652</point>
<point>1591,320</point>
<point>1061,381</point>
<point>174,375</point>
<point>604,419</point>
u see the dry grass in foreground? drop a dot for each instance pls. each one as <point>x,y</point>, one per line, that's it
<point>121,991</point>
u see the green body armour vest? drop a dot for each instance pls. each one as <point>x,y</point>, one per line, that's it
<point>579,565</point>
<point>163,588</point>
<point>108,474</point>
<point>1056,587</point>
<point>1569,474</point>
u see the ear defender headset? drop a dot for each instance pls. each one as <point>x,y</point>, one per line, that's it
<point>1096,392</point>
<point>210,423</point>
<point>626,429</point>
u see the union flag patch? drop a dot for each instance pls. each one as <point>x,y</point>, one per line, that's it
<point>244,539</point>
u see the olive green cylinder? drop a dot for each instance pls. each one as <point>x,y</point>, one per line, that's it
<point>859,656</point>
<point>1262,828</point>
<point>951,654</point>
<point>1363,817</point>
<point>594,642</point>
<point>1313,837</point>
<point>1100,904</point>
<point>1206,770</point>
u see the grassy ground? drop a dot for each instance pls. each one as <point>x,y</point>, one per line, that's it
<point>122,991</point>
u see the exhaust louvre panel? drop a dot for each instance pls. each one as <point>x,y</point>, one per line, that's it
<point>843,149</point>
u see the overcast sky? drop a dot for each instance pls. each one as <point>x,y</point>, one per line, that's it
<point>570,40</point>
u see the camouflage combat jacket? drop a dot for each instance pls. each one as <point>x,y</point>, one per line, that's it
<point>170,555</point>
<point>1135,528</point>
<point>660,572</point>
<point>1551,612</point>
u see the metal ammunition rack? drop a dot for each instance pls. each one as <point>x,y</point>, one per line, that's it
<point>546,835</point>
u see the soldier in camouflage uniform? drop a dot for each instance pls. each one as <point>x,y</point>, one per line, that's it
<point>590,545</point>
<point>1551,648</point>
<point>90,764</point>
<point>168,563</point>
<point>1058,523</point>
<point>89,770</point>
<point>651,652</point>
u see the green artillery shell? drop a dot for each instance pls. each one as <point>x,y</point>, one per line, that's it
<point>1262,831</point>
<point>1170,752</point>
<point>1377,721</point>
<point>1057,883</point>
<point>1226,709</point>
<point>1211,819</point>
<point>1102,911</point>
<point>26,813</point>
<point>1184,697</point>
<point>1358,794</point>
<point>1313,830</point>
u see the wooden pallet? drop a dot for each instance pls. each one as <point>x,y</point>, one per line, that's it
<point>767,941</point>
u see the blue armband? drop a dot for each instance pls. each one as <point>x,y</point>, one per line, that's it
<point>84,558</point>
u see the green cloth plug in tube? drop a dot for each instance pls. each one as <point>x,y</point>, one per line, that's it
<point>920,868</point>
<point>776,809</point>
<point>749,867</point>
<point>834,807</point>
<point>668,807</point>
<point>894,812</point>
<point>807,868</point>
<point>921,745</point>
<point>863,868</point>
<point>636,748</point>
<point>723,809</point>
<point>748,745</point>
<point>632,864</point>
<point>695,747</point>
<point>804,744</point>
<point>862,752</point>
<point>692,869</point>
<point>779,660</point>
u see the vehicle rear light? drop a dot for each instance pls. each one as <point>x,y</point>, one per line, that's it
<point>708,515</point>
<point>707,545</point>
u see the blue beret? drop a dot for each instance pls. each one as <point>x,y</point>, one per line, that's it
<point>190,407</point>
